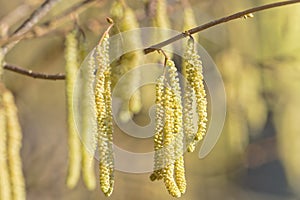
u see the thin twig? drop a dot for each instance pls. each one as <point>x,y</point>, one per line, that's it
<point>166,42</point>
<point>51,25</point>
<point>34,18</point>
<point>14,16</point>
<point>217,22</point>
<point>32,74</point>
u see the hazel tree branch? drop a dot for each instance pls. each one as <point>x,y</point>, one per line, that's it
<point>166,42</point>
<point>51,25</point>
<point>31,21</point>
<point>217,22</point>
<point>32,74</point>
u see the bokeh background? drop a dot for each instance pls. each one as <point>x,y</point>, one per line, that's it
<point>257,156</point>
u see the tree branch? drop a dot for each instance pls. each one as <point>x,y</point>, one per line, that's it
<point>51,25</point>
<point>32,74</point>
<point>217,22</point>
<point>166,42</point>
<point>31,21</point>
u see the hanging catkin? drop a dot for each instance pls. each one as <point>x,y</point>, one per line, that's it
<point>125,20</point>
<point>194,76</point>
<point>169,141</point>
<point>5,187</point>
<point>168,138</point>
<point>104,116</point>
<point>88,126</point>
<point>158,137</point>
<point>14,143</point>
<point>178,127</point>
<point>71,56</point>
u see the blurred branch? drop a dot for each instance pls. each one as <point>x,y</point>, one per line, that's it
<point>159,45</point>
<point>217,22</point>
<point>51,25</point>
<point>32,74</point>
<point>11,18</point>
<point>261,152</point>
<point>31,21</point>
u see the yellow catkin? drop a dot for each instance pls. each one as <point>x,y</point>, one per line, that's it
<point>160,20</point>
<point>189,19</point>
<point>194,76</point>
<point>180,174</point>
<point>109,130</point>
<point>178,127</point>
<point>14,144</point>
<point>88,123</point>
<point>71,56</point>
<point>158,137</point>
<point>188,113</point>
<point>104,116</point>
<point>169,139</point>
<point>125,20</point>
<point>5,187</point>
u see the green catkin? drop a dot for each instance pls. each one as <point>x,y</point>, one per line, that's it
<point>194,76</point>
<point>89,124</point>
<point>71,56</point>
<point>158,137</point>
<point>104,116</point>
<point>5,187</point>
<point>125,20</point>
<point>14,144</point>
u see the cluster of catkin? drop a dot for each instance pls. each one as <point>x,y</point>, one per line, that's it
<point>79,156</point>
<point>12,186</point>
<point>175,132</point>
<point>125,20</point>
<point>96,123</point>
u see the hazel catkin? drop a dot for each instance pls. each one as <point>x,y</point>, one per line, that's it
<point>14,144</point>
<point>104,116</point>
<point>194,76</point>
<point>71,57</point>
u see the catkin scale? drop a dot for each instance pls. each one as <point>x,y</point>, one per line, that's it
<point>74,144</point>
<point>14,143</point>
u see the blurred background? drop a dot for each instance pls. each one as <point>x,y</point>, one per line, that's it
<point>257,155</point>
